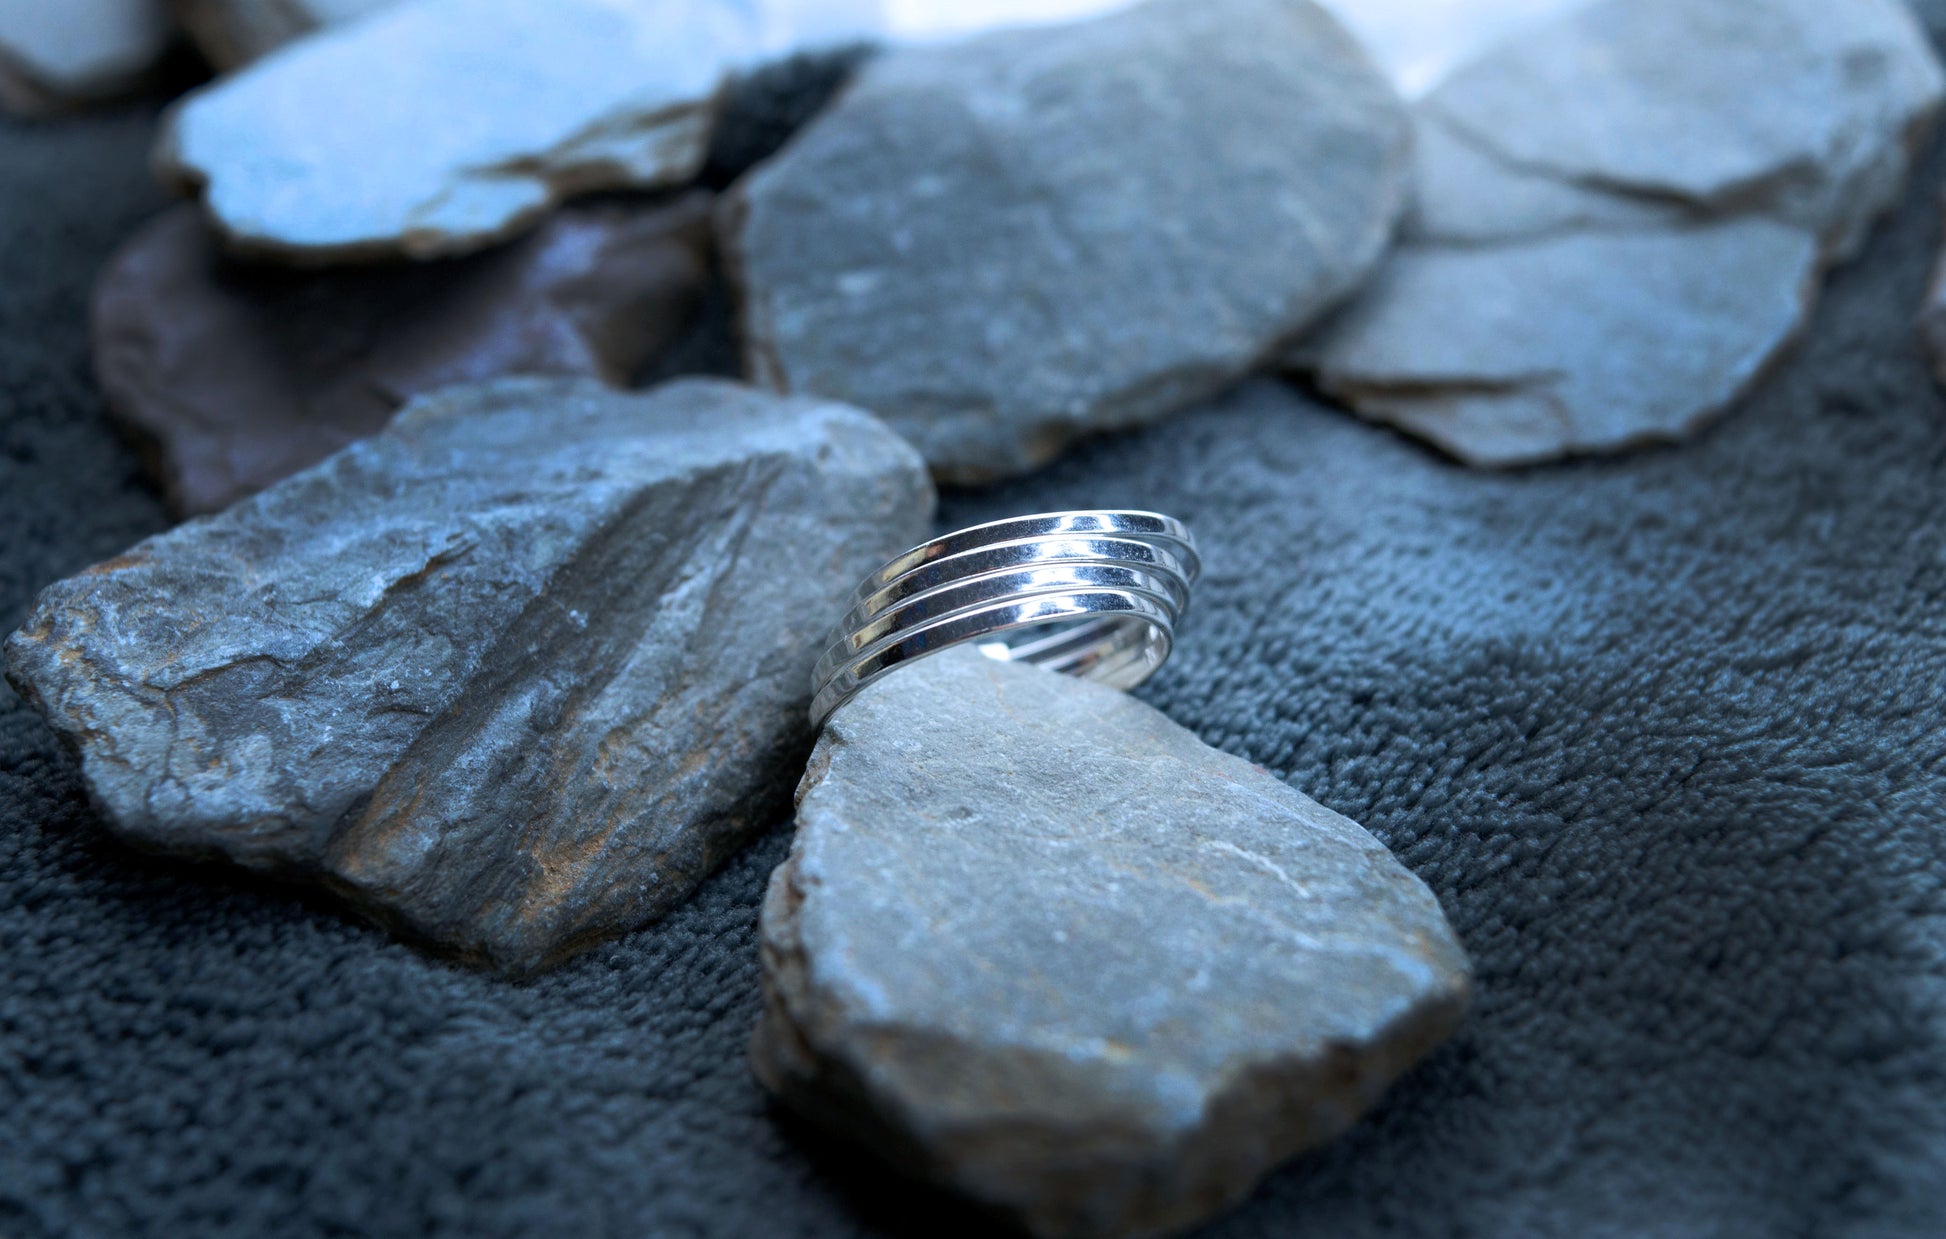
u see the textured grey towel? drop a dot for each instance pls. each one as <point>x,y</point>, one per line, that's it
<point>1664,733</point>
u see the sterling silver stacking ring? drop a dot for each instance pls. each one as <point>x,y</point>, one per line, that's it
<point>1091,594</point>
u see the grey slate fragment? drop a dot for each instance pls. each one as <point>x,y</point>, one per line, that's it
<point>1802,109</point>
<point>235,375</point>
<point>1003,244</point>
<point>512,676</point>
<point>1623,218</point>
<point>1038,943</point>
<point>1465,195</point>
<point>438,127</point>
<point>1590,341</point>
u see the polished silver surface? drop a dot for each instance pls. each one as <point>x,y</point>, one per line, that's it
<point>1093,594</point>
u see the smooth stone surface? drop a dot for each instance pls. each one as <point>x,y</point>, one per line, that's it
<point>439,126</point>
<point>1040,944</point>
<point>56,53</point>
<point>234,32</point>
<point>1006,243</point>
<point>237,375</point>
<point>512,677</point>
<point>1465,196</point>
<point>1589,341</point>
<point>1577,280</point>
<point>1804,109</point>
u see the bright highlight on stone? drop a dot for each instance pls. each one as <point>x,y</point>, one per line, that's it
<point>440,126</point>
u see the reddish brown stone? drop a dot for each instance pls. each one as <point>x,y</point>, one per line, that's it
<point>236,375</point>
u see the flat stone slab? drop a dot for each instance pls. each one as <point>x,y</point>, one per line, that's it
<point>1588,341</point>
<point>1623,218</point>
<point>1039,944</point>
<point>437,127</point>
<point>1804,109</point>
<point>512,676</point>
<point>234,32</point>
<point>236,375</point>
<point>1002,244</point>
<point>1468,196</point>
<point>60,53</point>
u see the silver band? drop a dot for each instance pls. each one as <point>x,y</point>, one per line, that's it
<point>1093,594</point>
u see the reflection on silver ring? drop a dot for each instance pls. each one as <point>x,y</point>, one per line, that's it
<point>1092,594</point>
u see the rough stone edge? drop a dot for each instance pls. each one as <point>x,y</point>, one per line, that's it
<point>1305,361</point>
<point>563,182</point>
<point>835,1094</point>
<point>1837,247</point>
<point>322,883</point>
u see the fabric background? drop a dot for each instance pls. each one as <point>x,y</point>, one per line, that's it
<point>1664,733</point>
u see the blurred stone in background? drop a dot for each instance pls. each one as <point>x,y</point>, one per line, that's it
<point>1804,111</point>
<point>1416,41</point>
<point>438,127</point>
<point>1623,218</point>
<point>1594,341</point>
<point>60,53</point>
<point>234,32</point>
<point>234,376</point>
<point>1420,41</point>
<point>1003,244</point>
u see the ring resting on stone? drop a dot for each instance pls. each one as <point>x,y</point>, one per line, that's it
<point>1091,594</point>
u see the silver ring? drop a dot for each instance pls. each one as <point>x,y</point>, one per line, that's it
<point>1091,594</point>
